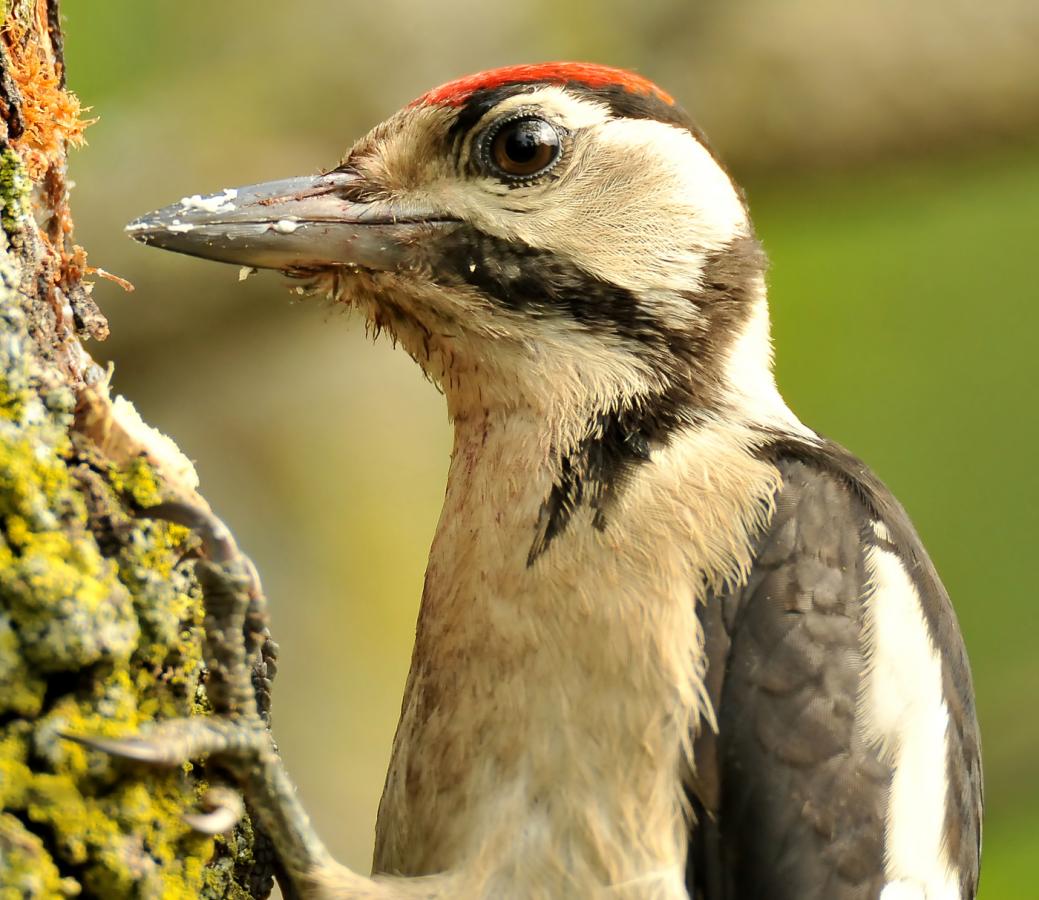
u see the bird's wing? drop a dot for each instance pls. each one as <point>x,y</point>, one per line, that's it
<point>826,669</point>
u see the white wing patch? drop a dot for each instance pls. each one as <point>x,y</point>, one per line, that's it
<point>902,890</point>
<point>903,711</point>
<point>882,531</point>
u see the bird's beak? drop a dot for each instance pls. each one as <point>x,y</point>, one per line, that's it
<point>295,224</point>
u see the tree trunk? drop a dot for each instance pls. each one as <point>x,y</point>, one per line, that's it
<point>100,614</point>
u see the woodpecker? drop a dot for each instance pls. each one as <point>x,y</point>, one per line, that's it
<point>672,642</point>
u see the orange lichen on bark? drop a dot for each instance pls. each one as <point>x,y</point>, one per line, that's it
<point>51,116</point>
<point>43,119</point>
<point>110,276</point>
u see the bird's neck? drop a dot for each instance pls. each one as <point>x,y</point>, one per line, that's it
<point>552,694</point>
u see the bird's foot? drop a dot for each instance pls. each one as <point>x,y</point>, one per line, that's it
<point>174,742</point>
<point>241,662</point>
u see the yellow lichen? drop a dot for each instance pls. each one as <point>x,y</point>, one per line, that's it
<point>30,872</point>
<point>60,594</point>
<point>100,617</point>
<point>138,480</point>
<point>21,689</point>
<point>100,633</point>
<point>15,198</point>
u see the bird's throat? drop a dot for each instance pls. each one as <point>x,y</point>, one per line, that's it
<point>550,700</point>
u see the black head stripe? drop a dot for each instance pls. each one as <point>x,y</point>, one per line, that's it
<point>625,104</point>
<point>544,284</point>
<point>540,283</point>
<point>479,103</point>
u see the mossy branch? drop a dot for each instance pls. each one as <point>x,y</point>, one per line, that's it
<point>100,613</point>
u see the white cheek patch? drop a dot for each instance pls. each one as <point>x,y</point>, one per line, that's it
<point>903,712</point>
<point>690,177</point>
<point>641,204</point>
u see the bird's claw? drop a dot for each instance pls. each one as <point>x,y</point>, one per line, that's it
<point>241,660</point>
<point>176,741</point>
<point>134,747</point>
<point>222,808</point>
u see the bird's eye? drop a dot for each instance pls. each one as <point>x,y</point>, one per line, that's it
<point>524,147</point>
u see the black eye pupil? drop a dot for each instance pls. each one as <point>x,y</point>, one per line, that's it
<point>524,147</point>
<point>523,142</point>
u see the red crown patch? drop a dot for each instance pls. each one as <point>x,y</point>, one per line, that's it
<point>455,93</point>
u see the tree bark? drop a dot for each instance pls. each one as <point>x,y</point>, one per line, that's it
<point>100,614</point>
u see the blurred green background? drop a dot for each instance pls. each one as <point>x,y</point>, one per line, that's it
<point>890,155</point>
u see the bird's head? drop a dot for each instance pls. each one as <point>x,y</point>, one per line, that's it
<point>557,237</point>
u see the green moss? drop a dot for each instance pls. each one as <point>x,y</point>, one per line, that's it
<point>100,633</point>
